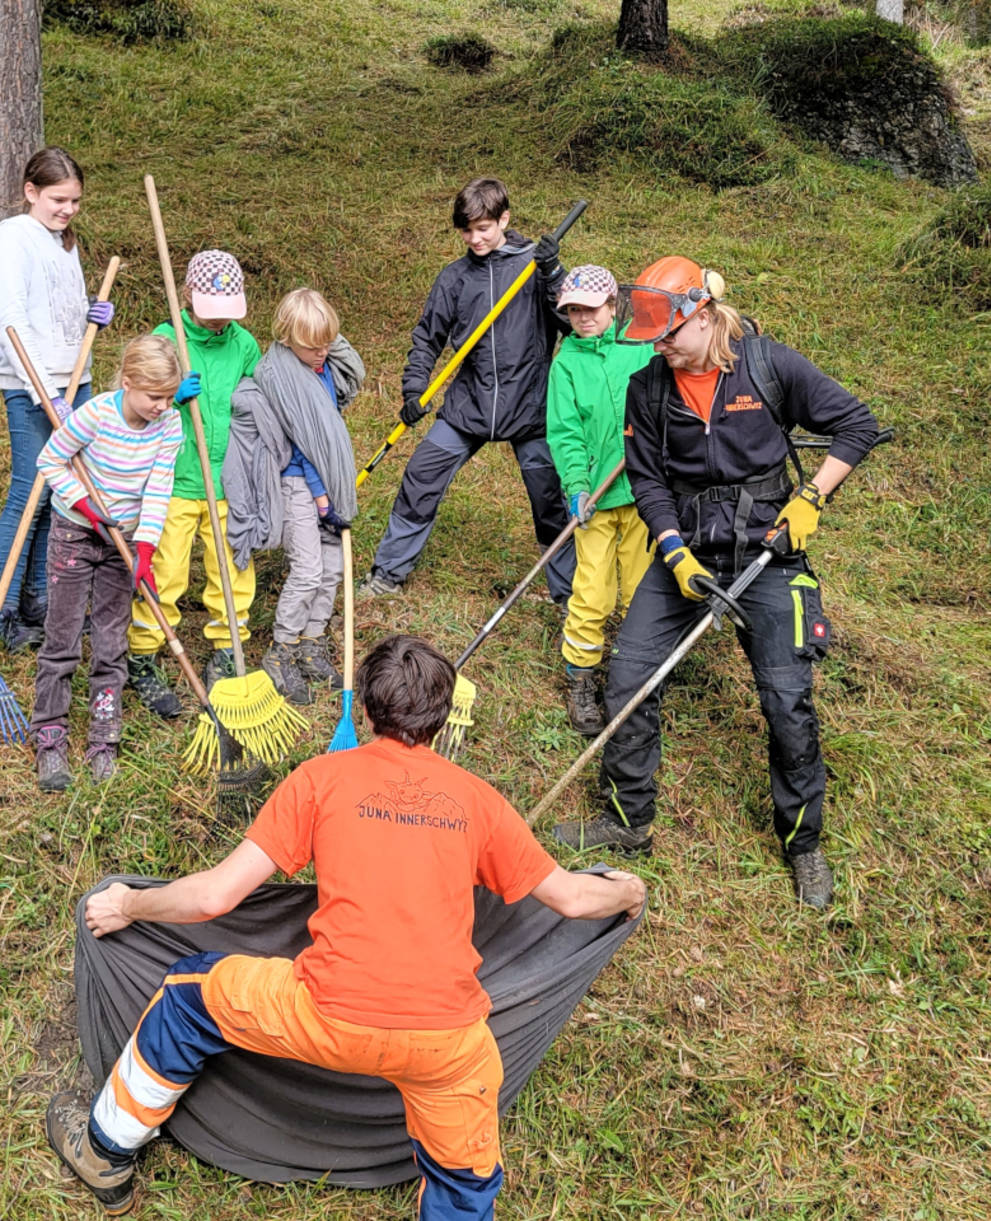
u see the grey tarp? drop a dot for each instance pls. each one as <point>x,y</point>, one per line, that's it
<point>276,1120</point>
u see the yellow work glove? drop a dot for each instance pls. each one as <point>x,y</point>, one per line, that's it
<point>684,565</point>
<point>802,515</point>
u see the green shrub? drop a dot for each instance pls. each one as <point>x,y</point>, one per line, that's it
<point>466,51</point>
<point>952,255</point>
<point>129,21</point>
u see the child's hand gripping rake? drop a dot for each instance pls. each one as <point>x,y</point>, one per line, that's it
<point>212,743</point>
<point>256,714</point>
<point>456,360</point>
<point>13,725</point>
<point>451,738</point>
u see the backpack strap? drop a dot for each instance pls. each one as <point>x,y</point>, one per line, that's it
<point>765,377</point>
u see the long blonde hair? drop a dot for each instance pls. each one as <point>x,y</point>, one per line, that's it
<point>727,326</point>
<point>150,363</point>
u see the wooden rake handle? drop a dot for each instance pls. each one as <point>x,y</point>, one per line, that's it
<point>175,313</point>
<point>120,542</point>
<point>24,525</point>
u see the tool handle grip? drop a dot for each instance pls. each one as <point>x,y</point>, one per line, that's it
<point>570,219</point>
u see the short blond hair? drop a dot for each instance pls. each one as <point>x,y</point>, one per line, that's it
<point>305,318</point>
<point>151,363</point>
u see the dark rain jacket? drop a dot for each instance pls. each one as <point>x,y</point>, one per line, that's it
<point>500,391</point>
<point>683,480</point>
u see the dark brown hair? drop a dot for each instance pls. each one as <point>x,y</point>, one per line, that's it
<point>481,199</point>
<point>406,686</point>
<point>47,167</point>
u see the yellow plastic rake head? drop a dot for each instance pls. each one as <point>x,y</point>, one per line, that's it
<point>451,738</point>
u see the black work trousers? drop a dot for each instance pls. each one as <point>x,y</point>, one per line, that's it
<point>788,632</point>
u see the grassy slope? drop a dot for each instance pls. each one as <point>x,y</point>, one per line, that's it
<point>740,1059</point>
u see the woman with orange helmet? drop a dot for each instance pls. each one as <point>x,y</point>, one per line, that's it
<point>706,454</point>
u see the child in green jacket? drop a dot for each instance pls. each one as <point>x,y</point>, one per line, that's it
<point>586,401</point>
<point>222,352</point>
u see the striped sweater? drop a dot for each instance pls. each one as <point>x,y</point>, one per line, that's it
<point>132,468</point>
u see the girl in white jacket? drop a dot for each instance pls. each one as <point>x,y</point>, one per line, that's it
<point>43,296</point>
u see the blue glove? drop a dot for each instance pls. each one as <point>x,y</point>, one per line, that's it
<point>331,521</point>
<point>62,408</point>
<point>100,312</point>
<point>189,388</point>
<point>582,507</point>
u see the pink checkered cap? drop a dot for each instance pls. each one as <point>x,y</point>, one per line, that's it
<point>216,283</point>
<point>587,285</point>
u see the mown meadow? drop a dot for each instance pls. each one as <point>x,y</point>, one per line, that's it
<point>741,1057</point>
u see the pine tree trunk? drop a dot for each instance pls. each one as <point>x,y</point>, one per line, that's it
<point>643,28</point>
<point>20,96</point>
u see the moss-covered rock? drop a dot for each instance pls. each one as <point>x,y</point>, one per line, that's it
<point>862,86</point>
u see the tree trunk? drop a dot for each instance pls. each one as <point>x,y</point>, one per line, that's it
<point>20,96</point>
<point>643,28</point>
<point>890,10</point>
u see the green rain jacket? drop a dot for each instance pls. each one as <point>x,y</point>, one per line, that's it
<point>221,360</point>
<point>586,406</point>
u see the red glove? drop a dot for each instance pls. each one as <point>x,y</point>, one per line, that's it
<point>142,569</point>
<point>98,521</point>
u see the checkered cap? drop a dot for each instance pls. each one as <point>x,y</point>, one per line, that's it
<point>587,285</point>
<point>216,283</point>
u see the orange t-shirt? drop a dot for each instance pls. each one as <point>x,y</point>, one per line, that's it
<point>697,390</point>
<point>399,837</point>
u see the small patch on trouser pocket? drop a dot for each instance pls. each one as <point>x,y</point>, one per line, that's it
<point>813,631</point>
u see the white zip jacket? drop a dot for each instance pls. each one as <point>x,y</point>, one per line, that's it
<point>43,297</point>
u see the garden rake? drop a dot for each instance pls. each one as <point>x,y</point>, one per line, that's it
<point>13,724</point>
<point>249,705</point>
<point>213,742</point>
<point>345,737</point>
<point>451,738</point>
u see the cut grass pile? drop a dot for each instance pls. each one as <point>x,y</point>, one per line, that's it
<point>742,1058</point>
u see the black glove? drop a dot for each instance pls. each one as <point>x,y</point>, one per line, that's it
<point>545,255</point>
<point>332,522</point>
<point>411,412</point>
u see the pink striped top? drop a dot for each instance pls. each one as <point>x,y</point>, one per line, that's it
<point>132,468</point>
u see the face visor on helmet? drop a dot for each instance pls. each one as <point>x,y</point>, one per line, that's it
<point>647,315</point>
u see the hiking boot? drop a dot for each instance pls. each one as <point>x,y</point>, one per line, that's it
<point>151,686</point>
<point>583,711</point>
<point>53,759</point>
<point>221,665</point>
<point>377,585</point>
<point>813,879</point>
<point>17,634</point>
<point>279,663</point>
<point>313,661</point>
<point>109,1179</point>
<point>602,832</point>
<point>102,760</point>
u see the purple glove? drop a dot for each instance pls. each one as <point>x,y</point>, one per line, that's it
<point>100,312</point>
<point>62,408</point>
<point>331,521</point>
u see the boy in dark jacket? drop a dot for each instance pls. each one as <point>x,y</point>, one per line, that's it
<point>498,394</point>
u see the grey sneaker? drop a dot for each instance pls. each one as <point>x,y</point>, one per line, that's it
<point>377,585</point>
<point>313,662</point>
<point>221,665</point>
<point>279,663</point>
<point>603,832</point>
<point>151,686</point>
<point>53,759</point>
<point>813,879</point>
<point>67,1125</point>
<point>102,760</point>
<point>583,711</point>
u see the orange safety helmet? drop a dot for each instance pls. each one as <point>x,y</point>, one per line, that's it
<point>664,296</point>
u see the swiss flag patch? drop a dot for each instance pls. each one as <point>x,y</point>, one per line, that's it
<point>819,629</point>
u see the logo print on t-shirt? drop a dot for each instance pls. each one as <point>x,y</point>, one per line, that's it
<point>406,803</point>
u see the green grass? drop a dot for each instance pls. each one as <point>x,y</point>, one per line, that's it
<point>741,1058</point>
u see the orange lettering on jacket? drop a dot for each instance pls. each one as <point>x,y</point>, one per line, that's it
<point>744,402</point>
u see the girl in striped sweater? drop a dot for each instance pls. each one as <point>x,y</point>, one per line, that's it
<point>128,440</point>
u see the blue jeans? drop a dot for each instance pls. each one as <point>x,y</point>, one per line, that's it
<point>29,430</point>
